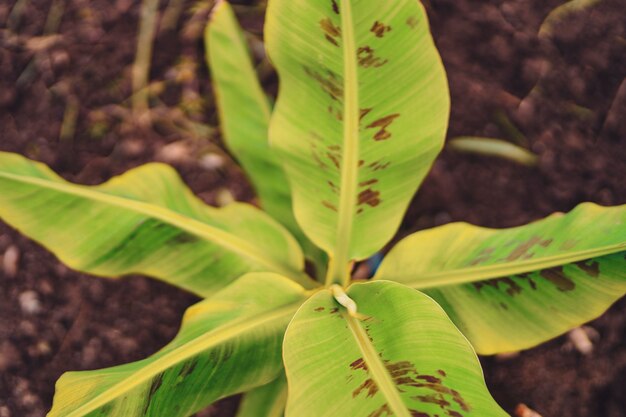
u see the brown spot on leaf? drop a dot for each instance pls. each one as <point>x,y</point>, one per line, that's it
<point>568,244</point>
<point>329,205</point>
<point>483,257</point>
<point>333,187</point>
<point>379,29</point>
<point>382,125</point>
<point>318,309</point>
<point>442,372</point>
<point>369,386</point>
<point>334,310</point>
<point>364,112</point>
<point>368,59</point>
<point>359,364</point>
<point>557,277</point>
<point>329,83</point>
<point>379,165</point>
<point>382,411</point>
<point>332,33</point>
<point>412,22</point>
<point>453,413</point>
<point>369,197</point>
<point>511,287</point>
<point>369,182</point>
<point>334,158</point>
<point>415,413</point>
<point>591,268</point>
<point>434,399</point>
<point>523,248</point>
<point>335,6</point>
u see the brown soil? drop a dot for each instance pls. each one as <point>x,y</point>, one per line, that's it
<point>53,319</point>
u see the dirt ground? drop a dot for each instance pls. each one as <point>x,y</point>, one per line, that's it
<point>64,101</point>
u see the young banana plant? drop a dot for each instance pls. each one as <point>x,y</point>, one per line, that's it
<point>361,115</point>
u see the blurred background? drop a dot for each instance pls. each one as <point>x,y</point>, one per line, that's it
<point>96,87</point>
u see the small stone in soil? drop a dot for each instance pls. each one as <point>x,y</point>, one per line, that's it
<point>10,261</point>
<point>29,302</point>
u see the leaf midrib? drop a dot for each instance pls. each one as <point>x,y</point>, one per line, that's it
<point>188,224</point>
<point>377,369</point>
<point>338,273</point>
<point>187,350</point>
<point>475,274</point>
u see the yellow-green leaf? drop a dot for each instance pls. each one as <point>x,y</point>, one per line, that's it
<point>266,401</point>
<point>145,221</point>
<point>514,288</point>
<point>361,114</point>
<point>244,114</point>
<point>405,358</point>
<point>227,344</point>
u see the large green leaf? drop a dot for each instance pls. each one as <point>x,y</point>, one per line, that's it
<point>405,359</point>
<point>244,114</point>
<point>266,401</point>
<point>361,114</point>
<point>147,222</point>
<point>514,288</point>
<point>228,344</point>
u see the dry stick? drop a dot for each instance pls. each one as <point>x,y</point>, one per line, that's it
<point>53,21</point>
<point>141,66</point>
<point>15,16</point>
<point>171,15</point>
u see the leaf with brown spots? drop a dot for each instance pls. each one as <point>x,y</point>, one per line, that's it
<point>379,113</point>
<point>227,344</point>
<point>372,369</point>
<point>512,289</point>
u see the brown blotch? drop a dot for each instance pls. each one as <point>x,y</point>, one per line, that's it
<point>453,413</point>
<point>359,364</point>
<point>504,306</point>
<point>557,277</point>
<point>483,257</point>
<point>368,59</point>
<point>332,33</point>
<point>592,269</point>
<point>369,197</point>
<point>528,278</point>
<point>329,83</point>
<point>329,205</point>
<point>369,385</point>
<point>568,244</point>
<point>369,182</point>
<point>442,372</point>
<point>434,399</point>
<point>361,163</point>
<point>415,413</point>
<point>382,125</point>
<point>364,112</point>
<point>334,310</point>
<point>337,114</point>
<point>379,412</point>
<point>512,288</point>
<point>379,165</point>
<point>412,22</point>
<point>333,187</point>
<point>523,248</point>
<point>335,6</point>
<point>379,29</point>
<point>318,309</point>
<point>328,27</point>
<point>334,158</point>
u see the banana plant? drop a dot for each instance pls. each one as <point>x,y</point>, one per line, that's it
<point>360,117</point>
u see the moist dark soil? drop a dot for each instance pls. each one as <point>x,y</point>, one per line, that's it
<point>561,96</point>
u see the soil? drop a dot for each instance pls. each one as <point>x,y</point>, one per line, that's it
<point>561,96</point>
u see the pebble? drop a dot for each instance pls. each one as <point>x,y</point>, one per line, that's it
<point>10,261</point>
<point>4,412</point>
<point>29,302</point>
<point>176,152</point>
<point>523,410</point>
<point>211,161</point>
